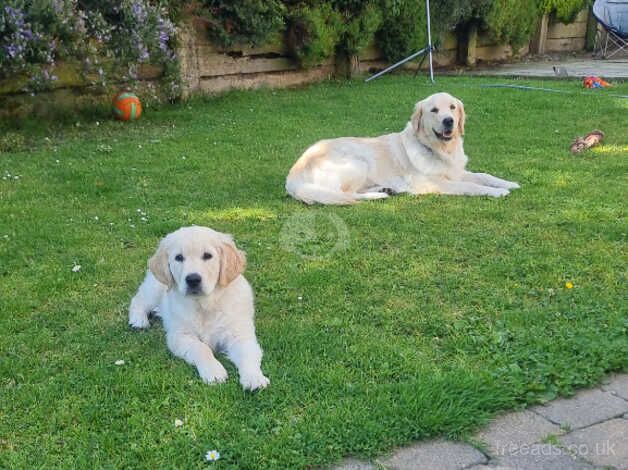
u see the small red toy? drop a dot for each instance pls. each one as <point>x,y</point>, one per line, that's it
<point>595,82</point>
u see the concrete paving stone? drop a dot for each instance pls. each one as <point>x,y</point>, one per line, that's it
<point>618,385</point>
<point>604,444</point>
<point>354,464</point>
<point>586,408</point>
<point>488,467</point>
<point>441,455</point>
<point>508,432</point>
<point>575,68</point>
<point>540,457</point>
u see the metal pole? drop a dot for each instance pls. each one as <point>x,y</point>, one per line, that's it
<point>427,50</point>
<point>429,38</point>
<point>401,62</point>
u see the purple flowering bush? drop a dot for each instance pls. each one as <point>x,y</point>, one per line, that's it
<point>101,35</point>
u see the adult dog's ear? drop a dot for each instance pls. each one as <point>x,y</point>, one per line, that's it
<point>416,116</point>
<point>158,265</point>
<point>232,263</point>
<point>461,117</point>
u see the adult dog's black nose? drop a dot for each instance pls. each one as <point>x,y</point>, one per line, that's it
<point>448,123</point>
<point>193,280</point>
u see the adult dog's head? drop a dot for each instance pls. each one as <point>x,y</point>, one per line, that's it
<point>438,120</point>
<point>195,260</point>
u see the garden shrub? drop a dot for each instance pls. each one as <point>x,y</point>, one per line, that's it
<point>35,35</point>
<point>403,29</point>
<point>512,21</point>
<point>449,15</point>
<point>313,32</point>
<point>507,21</point>
<point>242,21</point>
<point>564,10</point>
<point>360,21</point>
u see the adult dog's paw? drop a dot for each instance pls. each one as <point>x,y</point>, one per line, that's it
<point>511,185</point>
<point>213,372</point>
<point>138,319</point>
<point>254,381</point>
<point>499,192</point>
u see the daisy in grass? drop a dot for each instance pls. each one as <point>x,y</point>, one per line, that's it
<point>212,455</point>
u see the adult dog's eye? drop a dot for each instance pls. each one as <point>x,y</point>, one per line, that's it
<point>179,258</point>
<point>434,110</point>
<point>207,256</point>
<point>452,107</point>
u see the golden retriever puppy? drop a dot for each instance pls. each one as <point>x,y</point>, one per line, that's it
<point>426,157</point>
<point>195,282</point>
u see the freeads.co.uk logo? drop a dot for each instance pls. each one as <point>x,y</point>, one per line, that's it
<point>314,235</point>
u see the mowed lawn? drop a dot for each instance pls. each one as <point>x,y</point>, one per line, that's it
<point>381,323</point>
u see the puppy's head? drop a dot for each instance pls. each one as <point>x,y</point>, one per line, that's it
<point>195,260</point>
<point>438,119</point>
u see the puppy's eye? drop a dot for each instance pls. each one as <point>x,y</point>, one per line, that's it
<point>179,258</point>
<point>452,107</point>
<point>434,110</point>
<point>207,256</point>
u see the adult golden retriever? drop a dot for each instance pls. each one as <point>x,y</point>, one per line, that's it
<point>426,157</point>
<point>195,282</point>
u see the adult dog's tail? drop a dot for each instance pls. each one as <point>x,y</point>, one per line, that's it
<point>311,193</point>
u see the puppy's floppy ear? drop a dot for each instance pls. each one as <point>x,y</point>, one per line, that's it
<point>158,265</point>
<point>461,117</point>
<point>416,116</point>
<point>232,263</point>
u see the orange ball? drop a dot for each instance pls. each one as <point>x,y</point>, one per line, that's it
<point>127,106</point>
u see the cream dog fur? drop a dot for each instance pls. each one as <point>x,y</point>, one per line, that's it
<point>426,157</point>
<point>195,283</point>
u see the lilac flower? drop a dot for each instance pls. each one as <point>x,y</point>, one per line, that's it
<point>17,16</point>
<point>11,50</point>
<point>163,40</point>
<point>139,12</point>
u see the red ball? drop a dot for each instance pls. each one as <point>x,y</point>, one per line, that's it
<point>127,106</point>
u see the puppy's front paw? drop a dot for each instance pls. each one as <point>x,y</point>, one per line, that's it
<point>254,381</point>
<point>511,185</point>
<point>213,373</point>
<point>138,319</point>
<point>499,192</point>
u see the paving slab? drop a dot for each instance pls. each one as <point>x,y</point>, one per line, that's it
<point>584,409</point>
<point>576,68</point>
<point>540,457</point>
<point>354,464</point>
<point>488,467</point>
<point>618,385</point>
<point>603,444</point>
<point>511,431</point>
<point>441,455</point>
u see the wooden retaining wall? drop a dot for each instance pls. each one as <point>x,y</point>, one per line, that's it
<point>554,36</point>
<point>208,69</point>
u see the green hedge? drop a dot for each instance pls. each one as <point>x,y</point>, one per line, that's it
<point>317,29</point>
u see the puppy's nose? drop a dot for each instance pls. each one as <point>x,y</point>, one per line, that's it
<point>448,123</point>
<point>193,280</point>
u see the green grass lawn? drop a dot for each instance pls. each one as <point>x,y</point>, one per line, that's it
<point>381,323</point>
